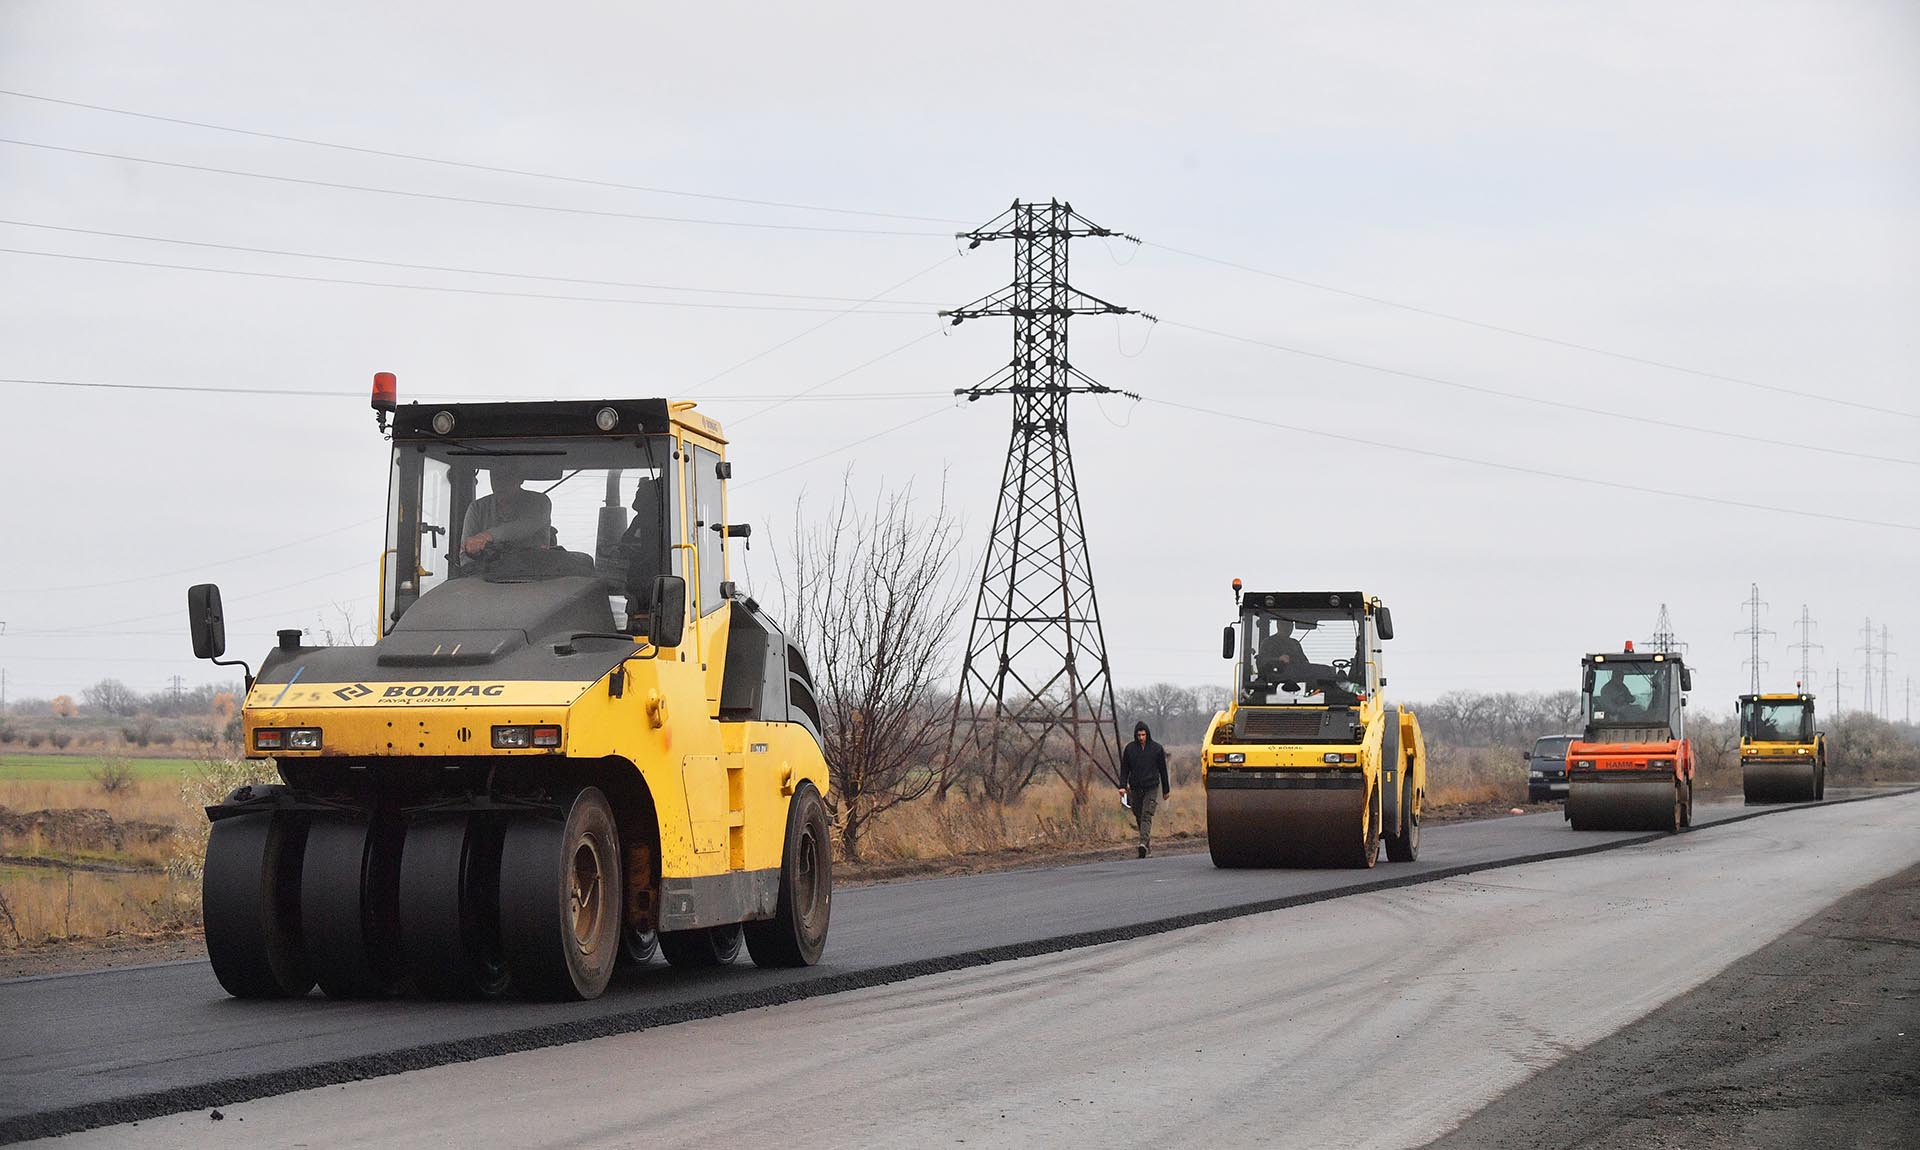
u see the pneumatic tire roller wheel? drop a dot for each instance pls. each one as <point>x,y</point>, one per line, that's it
<point>450,906</point>
<point>701,947</point>
<point>797,932</point>
<point>250,900</point>
<point>561,893</point>
<point>348,891</point>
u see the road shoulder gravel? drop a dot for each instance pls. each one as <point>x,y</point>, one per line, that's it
<point>1811,1041</point>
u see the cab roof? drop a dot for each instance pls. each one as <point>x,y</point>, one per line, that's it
<point>536,419</point>
<point>1779,697</point>
<point>1320,600</point>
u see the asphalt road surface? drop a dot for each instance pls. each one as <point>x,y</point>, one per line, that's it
<point>1277,1009</point>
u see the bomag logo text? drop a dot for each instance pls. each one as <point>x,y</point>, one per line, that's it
<point>444,691</point>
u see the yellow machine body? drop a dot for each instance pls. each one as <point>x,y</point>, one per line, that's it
<point>1783,756</point>
<point>573,735</point>
<point>1309,765</point>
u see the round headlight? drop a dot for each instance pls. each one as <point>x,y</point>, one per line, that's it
<point>442,422</point>
<point>606,419</point>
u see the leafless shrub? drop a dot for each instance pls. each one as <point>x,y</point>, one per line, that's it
<point>112,776</point>
<point>872,600</point>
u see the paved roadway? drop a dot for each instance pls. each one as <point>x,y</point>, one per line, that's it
<point>78,1050</point>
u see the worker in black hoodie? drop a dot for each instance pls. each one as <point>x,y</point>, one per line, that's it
<point>1143,772</point>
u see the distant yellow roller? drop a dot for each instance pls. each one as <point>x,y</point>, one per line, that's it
<point>1308,766</point>
<point>1783,758</point>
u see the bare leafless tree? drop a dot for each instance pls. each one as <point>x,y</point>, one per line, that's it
<point>873,596</point>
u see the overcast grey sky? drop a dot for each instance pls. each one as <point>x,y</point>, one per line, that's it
<point>1729,187</point>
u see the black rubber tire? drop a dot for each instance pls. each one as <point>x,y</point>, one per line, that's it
<point>1368,853</point>
<point>797,932</point>
<point>702,946</point>
<point>250,903</point>
<point>450,906</point>
<point>346,906</point>
<point>637,947</point>
<point>1405,847</point>
<point>1820,782</point>
<point>561,893</point>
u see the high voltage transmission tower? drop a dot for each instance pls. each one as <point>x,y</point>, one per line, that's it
<point>1036,662</point>
<point>1664,640</point>
<point>1755,631</point>
<point>1805,646</point>
<point>1886,707</point>
<point>1838,677</point>
<point>1866,677</point>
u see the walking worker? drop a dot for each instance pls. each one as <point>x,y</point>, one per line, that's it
<point>1143,771</point>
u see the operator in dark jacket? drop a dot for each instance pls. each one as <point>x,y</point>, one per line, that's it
<point>1143,770</point>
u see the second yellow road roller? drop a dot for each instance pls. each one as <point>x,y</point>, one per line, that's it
<point>1783,758</point>
<point>1309,765</point>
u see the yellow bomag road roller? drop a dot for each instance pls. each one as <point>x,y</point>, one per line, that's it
<point>1308,765</point>
<point>1783,759</point>
<point>573,742</point>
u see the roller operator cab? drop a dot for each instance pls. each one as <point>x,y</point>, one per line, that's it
<point>573,741</point>
<point>1309,765</point>
<point>1783,756</point>
<point>1631,768</point>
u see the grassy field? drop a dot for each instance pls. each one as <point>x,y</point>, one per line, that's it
<point>18,767</point>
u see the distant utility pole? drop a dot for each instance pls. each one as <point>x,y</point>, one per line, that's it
<point>1755,630</point>
<point>1664,640</point>
<point>1886,710</point>
<point>1866,673</point>
<point>1837,676</point>
<point>1804,646</point>
<point>3,690</point>
<point>1036,658</point>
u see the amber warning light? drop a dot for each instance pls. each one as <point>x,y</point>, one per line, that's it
<point>386,390</point>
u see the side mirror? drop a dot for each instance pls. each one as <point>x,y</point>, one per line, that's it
<point>669,611</point>
<point>1526,756</point>
<point>1686,679</point>
<point>206,621</point>
<point>1226,642</point>
<point>1383,622</point>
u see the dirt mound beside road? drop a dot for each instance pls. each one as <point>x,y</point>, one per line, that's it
<point>82,831</point>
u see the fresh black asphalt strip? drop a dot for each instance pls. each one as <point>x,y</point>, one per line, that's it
<point>1038,901</point>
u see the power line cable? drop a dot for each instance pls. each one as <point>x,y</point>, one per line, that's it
<point>496,293</point>
<point>454,270</point>
<point>476,200</point>
<point>1536,337</point>
<point>198,567</point>
<point>862,441</point>
<point>808,393</point>
<point>797,337</point>
<point>493,168</point>
<point>1242,417</point>
<point>1541,401</point>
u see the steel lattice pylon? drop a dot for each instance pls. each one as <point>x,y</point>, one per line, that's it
<point>1036,661</point>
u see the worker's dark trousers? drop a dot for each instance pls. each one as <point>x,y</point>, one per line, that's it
<point>1144,802</point>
